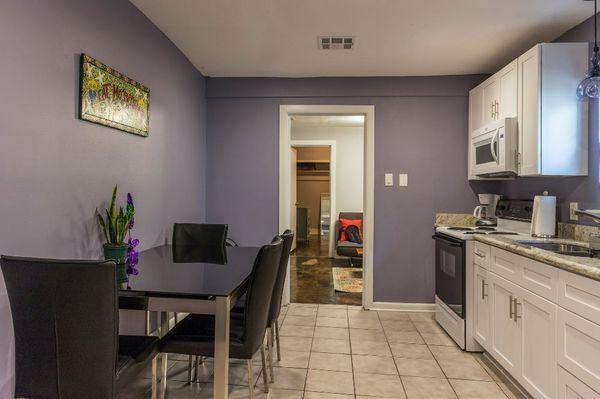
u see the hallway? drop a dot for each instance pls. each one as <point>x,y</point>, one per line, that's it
<point>311,275</point>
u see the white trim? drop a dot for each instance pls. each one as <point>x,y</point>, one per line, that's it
<point>404,307</point>
<point>285,113</point>
<point>332,177</point>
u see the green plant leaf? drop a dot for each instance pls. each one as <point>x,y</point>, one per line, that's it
<point>102,224</point>
<point>113,202</point>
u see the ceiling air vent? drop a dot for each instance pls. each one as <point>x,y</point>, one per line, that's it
<point>336,43</point>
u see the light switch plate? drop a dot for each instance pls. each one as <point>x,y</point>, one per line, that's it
<point>389,179</point>
<point>403,180</point>
<point>572,214</point>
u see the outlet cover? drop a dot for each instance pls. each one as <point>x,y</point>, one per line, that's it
<point>572,214</point>
<point>403,180</point>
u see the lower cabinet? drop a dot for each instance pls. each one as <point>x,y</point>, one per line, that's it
<point>537,318</point>
<point>523,336</point>
<point>569,387</point>
<point>482,307</point>
<point>506,333</point>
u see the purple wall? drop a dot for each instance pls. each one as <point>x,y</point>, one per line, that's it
<point>420,129</point>
<point>584,190</point>
<point>55,169</point>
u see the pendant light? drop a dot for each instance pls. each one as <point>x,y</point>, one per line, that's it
<point>590,86</point>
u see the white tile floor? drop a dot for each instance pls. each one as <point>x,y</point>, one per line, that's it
<point>344,352</point>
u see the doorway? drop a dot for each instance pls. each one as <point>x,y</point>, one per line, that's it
<point>319,272</point>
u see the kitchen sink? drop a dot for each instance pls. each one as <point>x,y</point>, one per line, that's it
<point>560,248</point>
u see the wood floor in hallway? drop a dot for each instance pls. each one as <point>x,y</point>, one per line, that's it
<point>313,283</point>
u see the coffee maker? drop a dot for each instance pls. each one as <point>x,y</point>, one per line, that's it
<point>486,211</point>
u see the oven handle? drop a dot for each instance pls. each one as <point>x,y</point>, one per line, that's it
<point>447,241</point>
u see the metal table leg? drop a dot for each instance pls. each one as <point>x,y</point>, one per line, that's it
<point>164,323</point>
<point>221,371</point>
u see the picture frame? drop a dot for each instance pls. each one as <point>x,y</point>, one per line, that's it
<point>110,98</point>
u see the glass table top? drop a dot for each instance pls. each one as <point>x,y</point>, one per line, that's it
<point>191,272</point>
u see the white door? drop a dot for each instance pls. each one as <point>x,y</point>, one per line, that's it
<point>506,334</point>
<point>529,107</point>
<point>482,307</point>
<point>293,192</point>
<point>507,78</point>
<point>490,100</point>
<point>537,317</point>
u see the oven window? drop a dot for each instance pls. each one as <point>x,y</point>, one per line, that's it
<point>483,153</point>
<point>449,273</point>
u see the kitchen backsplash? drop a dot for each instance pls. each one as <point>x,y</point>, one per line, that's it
<point>578,232</point>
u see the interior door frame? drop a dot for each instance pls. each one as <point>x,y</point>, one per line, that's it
<point>285,114</point>
<point>332,180</point>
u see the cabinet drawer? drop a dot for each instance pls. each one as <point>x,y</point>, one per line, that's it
<point>580,295</point>
<point>481,255</point>
<point>506,264</point>
<point>569,387</point>
<point>579,347</point>
<point>540,278</point>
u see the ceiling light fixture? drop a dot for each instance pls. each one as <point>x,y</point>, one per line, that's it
<point>590,86</point>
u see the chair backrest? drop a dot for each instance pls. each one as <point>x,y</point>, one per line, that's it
<point>200,234</point>
<point>287,237</point>
<point>65,319</point>
<point>347,215</point>
<point>259,294</point>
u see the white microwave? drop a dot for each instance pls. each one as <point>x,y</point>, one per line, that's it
<point>494,149</point>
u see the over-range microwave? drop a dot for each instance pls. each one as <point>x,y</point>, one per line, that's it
<point>494,149</point>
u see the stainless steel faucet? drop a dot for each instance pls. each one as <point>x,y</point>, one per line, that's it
<point>593,214</point>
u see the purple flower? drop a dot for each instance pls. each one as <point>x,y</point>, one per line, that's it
<point>132,256</point>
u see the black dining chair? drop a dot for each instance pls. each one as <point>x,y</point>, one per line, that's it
<point>66,320</point>
<point>194,335</point>
<point>200,234</point>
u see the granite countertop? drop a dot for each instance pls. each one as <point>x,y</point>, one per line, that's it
<point>588,267</point>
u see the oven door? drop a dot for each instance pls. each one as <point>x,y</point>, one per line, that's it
<point>450,272</point>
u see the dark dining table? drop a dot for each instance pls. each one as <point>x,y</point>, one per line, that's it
<point>200,280</point>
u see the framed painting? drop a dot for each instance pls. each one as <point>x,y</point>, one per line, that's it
<point>110,98</point>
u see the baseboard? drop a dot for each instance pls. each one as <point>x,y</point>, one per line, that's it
<point>403,307</point>
<point>507,379</point>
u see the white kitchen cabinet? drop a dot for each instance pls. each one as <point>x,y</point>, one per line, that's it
<point>491,92</point>
<point>579,347</point>
<point>476,104</point>
<point>537,321</point>
<point>552,123</point>
<point>505,345</point>
<point>569,387</point>
<point>507,106</point>
<point>482,307</point>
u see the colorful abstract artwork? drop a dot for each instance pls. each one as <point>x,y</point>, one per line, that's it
<point>110,98</point>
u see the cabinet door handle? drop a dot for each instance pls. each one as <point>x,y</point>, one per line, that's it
<point>510,307</point>
<point>517,304</point>
<point>483,285</point>
<point>497,109</point>
<point>493,109</point>
<point>479,255</point>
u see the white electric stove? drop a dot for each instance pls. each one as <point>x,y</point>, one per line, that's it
<point>454,268</point>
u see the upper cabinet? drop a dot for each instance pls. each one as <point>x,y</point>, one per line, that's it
<point>495,98</point>
<point>538,88</point>
<point>552,122</point>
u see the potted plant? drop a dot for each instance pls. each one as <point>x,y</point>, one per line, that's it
<point>115,225</point>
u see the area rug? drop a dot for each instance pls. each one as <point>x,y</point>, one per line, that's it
<point>310,262</point>
<point>347,279</point>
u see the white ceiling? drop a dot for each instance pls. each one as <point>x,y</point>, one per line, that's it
<point>392,37</point>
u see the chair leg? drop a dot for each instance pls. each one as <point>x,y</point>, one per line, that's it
<point>196,367</point>
<point>264,368</point>
<point>175,317</point>
<point>147,326</point>
<point>154,376</point>
<point>250,379</point>
<point>276,323</point>
<point>270,348</point>
<point>164,367</point>
<point>189,369</point>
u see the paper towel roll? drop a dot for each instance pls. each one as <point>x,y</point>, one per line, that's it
<point>543,220</point>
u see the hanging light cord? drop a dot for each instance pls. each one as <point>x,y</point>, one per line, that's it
<point>595,26</point>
